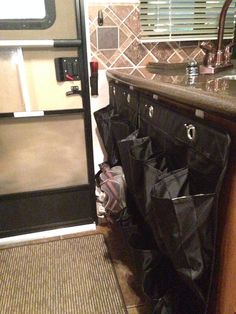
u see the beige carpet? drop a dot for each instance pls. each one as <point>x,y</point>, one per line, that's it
<point>59,277</point>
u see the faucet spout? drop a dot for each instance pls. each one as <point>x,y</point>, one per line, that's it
<point>222,24</point>
<point>220,59</point>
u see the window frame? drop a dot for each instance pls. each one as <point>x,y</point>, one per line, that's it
<point>148,24</point>
<point>24,24</point>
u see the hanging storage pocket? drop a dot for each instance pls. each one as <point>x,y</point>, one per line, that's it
<point>183,210</point>
<point>184,222</point>
<point>103,120</point>
<point>142,168</point>
<point>178,300</point>
<point>158,274</point>
<point>145,169</point>
<point>120,128</point>
<point>125,146</point>
<point>112,128</point>
<point>139,166</point>
<point>117,120</point>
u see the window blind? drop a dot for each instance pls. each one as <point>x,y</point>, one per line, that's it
<point>171,20</point>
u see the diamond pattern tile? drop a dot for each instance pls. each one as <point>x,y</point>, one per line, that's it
<point>93,38</point>
<point>146,73</point>
<point>199,56</point>
<point>127,43</point>
<point>122,62</point>
<point>136,72</point>
<point>116,55</point>
<point>162,52</point>
<point>175,58</point>
<point>122,37</point>
<point>133,22</point>
<point>108,53</point>
<point>149,58</point>
<point>93,48</point>
<point>105,33</point>
<point>122,11</point>
<point>126,30</point>
<point>115,18</point>
<point>107,21</point>
<point>149,46</point>
<point>136,52</point>
<point>189,51</point>
<point>131,53</point>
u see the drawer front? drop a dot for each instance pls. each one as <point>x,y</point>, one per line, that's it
<point>121,97</point>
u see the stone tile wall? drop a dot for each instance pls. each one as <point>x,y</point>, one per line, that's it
<point>121,26</point>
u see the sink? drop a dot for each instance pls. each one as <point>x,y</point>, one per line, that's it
<point>223,83</point>
<point>228,77</point>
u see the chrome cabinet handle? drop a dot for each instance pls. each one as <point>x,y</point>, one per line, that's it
<point>191,131</point>
<point>128,98</point>
<point>151,111</point>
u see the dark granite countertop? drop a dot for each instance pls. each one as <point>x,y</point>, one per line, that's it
<point>210,93</point>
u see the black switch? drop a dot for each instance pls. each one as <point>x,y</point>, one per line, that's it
<point>75,68</point>
<point>67,69</point>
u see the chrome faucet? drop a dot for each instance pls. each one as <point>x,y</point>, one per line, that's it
<point>217,58</point>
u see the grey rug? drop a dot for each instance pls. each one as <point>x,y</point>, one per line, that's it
<point>59,277</point>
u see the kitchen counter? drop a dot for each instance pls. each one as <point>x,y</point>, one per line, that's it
<point>210,93</point>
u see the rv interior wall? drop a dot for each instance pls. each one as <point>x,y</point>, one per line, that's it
<point>63,27</point>
<point>131,55</point>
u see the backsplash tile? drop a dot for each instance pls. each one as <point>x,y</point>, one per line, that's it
<point>135,52</point>
<point>132,21</point>
<point>122,62</point>
<point>122,11</point>
<point>130,54</point>
<point>162,51</point>
<point>107,38</point>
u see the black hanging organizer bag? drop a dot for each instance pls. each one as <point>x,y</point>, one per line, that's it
<point>183,209</point>
<point>174,168</point>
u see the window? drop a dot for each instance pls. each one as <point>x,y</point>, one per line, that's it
<point>26,14</point>
<point>171,20</point>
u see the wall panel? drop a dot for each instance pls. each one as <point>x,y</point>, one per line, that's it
<point>42,153</point>
<point>63,28</point>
